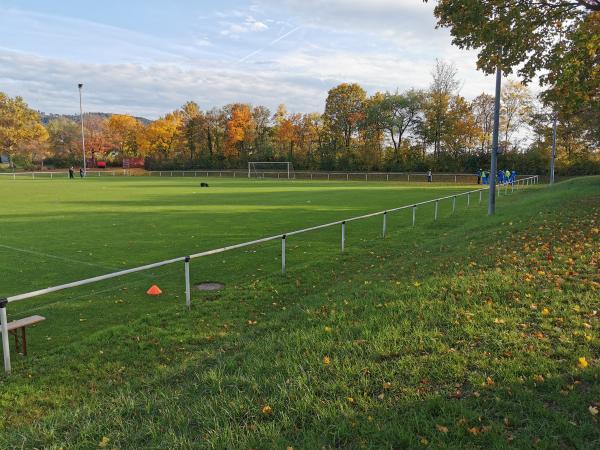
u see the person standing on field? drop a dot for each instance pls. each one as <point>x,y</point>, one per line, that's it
<point>71,172</point>
<point>429,176</point>
<point>81,172</point>
<point>479,172</point>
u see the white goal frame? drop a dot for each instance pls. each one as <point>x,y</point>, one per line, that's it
<point>258,169</point>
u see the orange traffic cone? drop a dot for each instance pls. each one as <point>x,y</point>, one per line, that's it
<point>154,290</point>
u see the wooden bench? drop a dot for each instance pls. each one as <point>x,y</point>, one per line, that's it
<point>21,324</point>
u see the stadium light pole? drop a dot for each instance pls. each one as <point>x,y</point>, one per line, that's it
<point>494,162</point>
<point>553,157</point>
<point>80,86</point>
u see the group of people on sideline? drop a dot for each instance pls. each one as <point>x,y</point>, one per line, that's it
<point>503,177</point>
<point>72,172</point>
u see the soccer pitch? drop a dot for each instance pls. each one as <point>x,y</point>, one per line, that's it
<point>59,231</point>
<point>63,230</point>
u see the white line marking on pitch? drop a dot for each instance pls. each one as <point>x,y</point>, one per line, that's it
<point>62,258</point>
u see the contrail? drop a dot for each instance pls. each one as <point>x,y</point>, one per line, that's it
<point>273,42</point>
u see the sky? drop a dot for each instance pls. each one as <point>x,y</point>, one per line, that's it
<point>147,57</point>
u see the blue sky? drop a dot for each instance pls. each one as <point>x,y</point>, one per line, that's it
<point>149,57</point>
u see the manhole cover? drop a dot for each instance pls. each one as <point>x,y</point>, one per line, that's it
<point>210,286</point>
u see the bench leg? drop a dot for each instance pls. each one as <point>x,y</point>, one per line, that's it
<point>24,336</point>
<point>15,333</point>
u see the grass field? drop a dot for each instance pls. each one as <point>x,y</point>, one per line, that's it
<point>465,332</point>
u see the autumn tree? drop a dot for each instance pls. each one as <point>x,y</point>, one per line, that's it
<point>162,135</point>
<point>262,120</point>
<point>98,139</point>
<point>462,132</point>
<point>240,130</point>
<point>64,138</point>
<point>344,109</point>
<point>395,114</point>
<point>20,128</point>
<point>125,133</point>
<point>482,107</point>
<point>437,102</point>
<point>516,108</point>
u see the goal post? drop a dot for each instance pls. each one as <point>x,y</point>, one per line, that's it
<point>268,169</point>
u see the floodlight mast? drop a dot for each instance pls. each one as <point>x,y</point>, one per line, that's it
<point>494,161</point>
<point>553,159</point>
<point>80,86</point>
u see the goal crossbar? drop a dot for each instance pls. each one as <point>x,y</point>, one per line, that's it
<point>262,169</point>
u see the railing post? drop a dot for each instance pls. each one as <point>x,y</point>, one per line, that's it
<point>408,181</point>
<point>51,175</point>
<point>384,223</point>
<point>435,214</point>
<point>468,199</point>
<point>414,208</point>
<point>283,254</point>
<point>343,235</point>
<point>455,178</point>
<point>4,326</point>
<point>188,293</point>
<point>453,203</point>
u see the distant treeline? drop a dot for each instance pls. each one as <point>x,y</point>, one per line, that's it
<point>414,130</point>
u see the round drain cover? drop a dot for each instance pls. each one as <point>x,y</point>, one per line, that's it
<point>210,286</point>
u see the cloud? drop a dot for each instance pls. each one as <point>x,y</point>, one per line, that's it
<point>249,24</point>
<point>147,90</point>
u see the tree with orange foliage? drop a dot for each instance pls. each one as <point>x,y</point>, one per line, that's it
<point>240,131</point>
<point>125,133</point>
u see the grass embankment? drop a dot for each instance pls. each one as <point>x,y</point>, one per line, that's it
<point>467,332</point>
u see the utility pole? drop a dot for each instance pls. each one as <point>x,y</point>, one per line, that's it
<point>80,85</point>
<point>553,158</point>
<point>494,162</point>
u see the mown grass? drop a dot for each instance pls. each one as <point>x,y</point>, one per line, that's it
<point>461,333</point>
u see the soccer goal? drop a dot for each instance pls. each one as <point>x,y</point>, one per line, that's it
<point>259,169</point>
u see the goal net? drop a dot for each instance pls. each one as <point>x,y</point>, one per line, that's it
<point>279,170</point>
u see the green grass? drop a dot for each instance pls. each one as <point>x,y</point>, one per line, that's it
<point>460,333</point>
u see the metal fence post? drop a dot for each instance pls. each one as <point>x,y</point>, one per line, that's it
<point>384,223</point>
<point>188,293</point>
<point>4,326</point>
<point>435,214</point>
<point>468,199</point>
<point>283,254</point>
<point>453,203</point>
<point>414,208</point>
<point>455,178</point>
<point>343,235</point>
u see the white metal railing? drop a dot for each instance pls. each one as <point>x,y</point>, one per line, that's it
<point>60,174</point>
<point>319,175</point>
<point>283,236</point>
